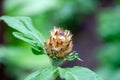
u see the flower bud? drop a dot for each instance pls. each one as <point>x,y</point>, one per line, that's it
<point>59,44</point>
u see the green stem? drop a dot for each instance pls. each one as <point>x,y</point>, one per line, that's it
<point>56,63</point>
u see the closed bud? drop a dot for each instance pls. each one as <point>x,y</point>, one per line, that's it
<point>59,44</point>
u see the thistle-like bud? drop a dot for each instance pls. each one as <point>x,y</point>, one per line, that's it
<point>59,44</point>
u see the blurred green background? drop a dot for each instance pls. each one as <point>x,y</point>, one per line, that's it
<point>95,25</point>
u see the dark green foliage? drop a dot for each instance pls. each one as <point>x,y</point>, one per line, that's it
<point>109,24</point>
<point>109,53</point>
<point>26,32</point>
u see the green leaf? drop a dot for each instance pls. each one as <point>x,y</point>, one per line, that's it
<point>36,49</point>
<point>16,23</point>
<point>78,73</point>
<point>26,30</point>
<point>49,73</point>
<point>23,25</point>
<point>25,37</point>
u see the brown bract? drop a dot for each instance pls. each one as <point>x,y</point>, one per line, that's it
<point>59,44</point>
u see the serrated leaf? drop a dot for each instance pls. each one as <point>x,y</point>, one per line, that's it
<point>49,73</point>
<point>78,73</point>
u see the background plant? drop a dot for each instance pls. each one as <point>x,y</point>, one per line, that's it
<point>109,30</point>
<point>26,32</point>
<point>60,12</point>
<point>74,15</point>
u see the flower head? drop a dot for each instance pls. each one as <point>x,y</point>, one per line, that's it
<point>59,44</point>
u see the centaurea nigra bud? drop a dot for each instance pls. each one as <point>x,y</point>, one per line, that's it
<point>59,44</point>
